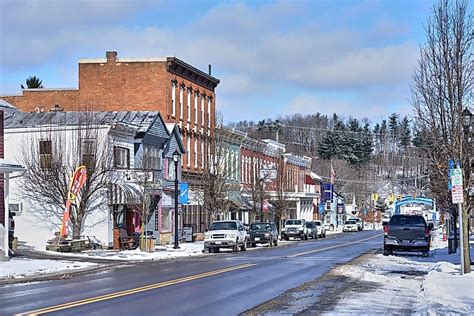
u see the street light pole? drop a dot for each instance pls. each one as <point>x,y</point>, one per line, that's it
<point>466,118</point>
<point>176,156</point>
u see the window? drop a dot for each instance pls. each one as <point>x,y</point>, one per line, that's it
<point>181,92</point>
<point>171,169</point>
<point>195,153</point>
<point>209,112</point>
<point>202,155</point>
<point>202,109</point>
<point>173,99</point>
<point>46,153</point>
<point>151,158</point>
<point>189,104</point>
<point>121,157</point>
<point>188,151</point>
<point>196,95</point>
<point>88,152</point>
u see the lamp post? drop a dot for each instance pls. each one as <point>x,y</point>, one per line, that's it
<point>176,156</point>
<point>466,118</point>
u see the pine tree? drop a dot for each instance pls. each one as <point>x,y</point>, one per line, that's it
<point>405,133</point>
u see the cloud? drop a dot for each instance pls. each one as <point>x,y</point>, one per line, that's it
<point>257,50</point>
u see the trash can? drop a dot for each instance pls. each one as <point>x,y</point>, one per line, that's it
<point>148,244</point>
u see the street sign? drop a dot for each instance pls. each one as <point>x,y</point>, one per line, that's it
<point>457,194</point>
<point>451,164</point>
<point>456,177</point>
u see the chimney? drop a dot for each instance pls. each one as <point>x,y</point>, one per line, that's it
<point>111,56</point>
<point>209,69</point>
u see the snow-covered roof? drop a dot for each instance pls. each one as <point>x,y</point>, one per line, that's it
<point>5,106</point>
<point>170,127</point>
<point>315,176</point>
<point>142,120</point>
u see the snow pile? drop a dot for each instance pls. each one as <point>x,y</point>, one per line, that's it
<point>407,283</point>
<point>160,253</point>
<point>20,268</point>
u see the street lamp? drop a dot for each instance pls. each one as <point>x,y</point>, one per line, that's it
<point>466,116</point>
<point>176,156</point>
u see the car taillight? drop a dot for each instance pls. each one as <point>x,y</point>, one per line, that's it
<point>385,230</point>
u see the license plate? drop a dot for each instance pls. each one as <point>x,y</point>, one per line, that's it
<point>406,242</point>
<point>218,242</point>
<point>257,238</point>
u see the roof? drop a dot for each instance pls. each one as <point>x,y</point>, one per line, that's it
<point>5,106</point>
<point>140,119</point>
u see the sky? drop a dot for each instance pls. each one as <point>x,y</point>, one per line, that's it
<point>273,58</point>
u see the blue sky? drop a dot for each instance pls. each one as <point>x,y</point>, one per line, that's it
<point>273,58</point>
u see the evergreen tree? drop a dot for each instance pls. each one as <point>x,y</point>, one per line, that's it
<point>33,83</point>
<point>393,125</point>
<point>405,132</point>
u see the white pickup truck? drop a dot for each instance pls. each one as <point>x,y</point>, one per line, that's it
<point>225,234</point>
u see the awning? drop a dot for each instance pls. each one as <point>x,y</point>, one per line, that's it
<point>125,193</point>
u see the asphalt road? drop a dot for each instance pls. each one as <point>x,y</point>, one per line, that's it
<point>217,284</point>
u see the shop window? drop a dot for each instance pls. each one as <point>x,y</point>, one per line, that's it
<point>45,153</point>
<point>121,157</point>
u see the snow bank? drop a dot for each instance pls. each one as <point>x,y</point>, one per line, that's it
<point>20,268</point>
<point>407,283</point>
<point>160,253</point>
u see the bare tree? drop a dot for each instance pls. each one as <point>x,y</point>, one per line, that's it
<point>52,157</point>
<point>443,83</point>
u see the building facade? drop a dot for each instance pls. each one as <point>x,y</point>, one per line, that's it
<point>134,150</point>
<point>183,94</point>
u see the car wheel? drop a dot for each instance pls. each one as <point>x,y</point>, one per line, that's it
<point>244,246</point>
<point>387,251</point>
<point>236,247</point>
<point>254,244</point>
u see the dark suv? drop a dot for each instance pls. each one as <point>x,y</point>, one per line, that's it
<point>263,233</point>
<point>407,233</point>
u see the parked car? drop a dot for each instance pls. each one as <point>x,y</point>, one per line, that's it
<point>360,223</point>
<point>225,234</point>
<point>312,230</point>
<point>407,233</point>
<point>350,226</point>
<point>321,229</point>
<point>295,228</point>
<point>263,233</point>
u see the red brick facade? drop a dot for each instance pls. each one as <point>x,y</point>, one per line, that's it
<point>114,84</point>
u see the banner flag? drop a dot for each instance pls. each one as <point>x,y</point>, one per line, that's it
<point>77,181</point>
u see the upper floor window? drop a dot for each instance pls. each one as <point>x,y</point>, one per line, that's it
<point>188,151</point>
<point>209,112</point>
<point>196,95</point>
<point>173,98</point>
<point>202,155</point>
<point>181,95</point>
<point>88,151</point>
<point>195,153</point>
<point>151,158</point>
<point>121,157</point>
<point>45,154</point>
<point>189,104</point>
<point>202,109</point>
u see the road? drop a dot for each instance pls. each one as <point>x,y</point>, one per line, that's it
<point>217,284</point>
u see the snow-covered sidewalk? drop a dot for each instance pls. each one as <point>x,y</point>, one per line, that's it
<point>20,268</point>
<point>410,283</point>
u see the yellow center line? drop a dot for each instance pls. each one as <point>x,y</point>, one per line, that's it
<point>332,247</point>
<point>134,291</point>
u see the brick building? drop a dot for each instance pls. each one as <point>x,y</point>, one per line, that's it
<point>182,94</point>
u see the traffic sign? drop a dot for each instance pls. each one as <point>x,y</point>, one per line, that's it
<point>457,194</point>
<point>456,177</point>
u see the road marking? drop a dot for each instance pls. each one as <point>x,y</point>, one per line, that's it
<point>135,290</point>
<point>332,247</point>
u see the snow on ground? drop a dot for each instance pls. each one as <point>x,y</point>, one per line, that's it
<point>407,283</point>
<point>18,268</point>
<point>161,252</point>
